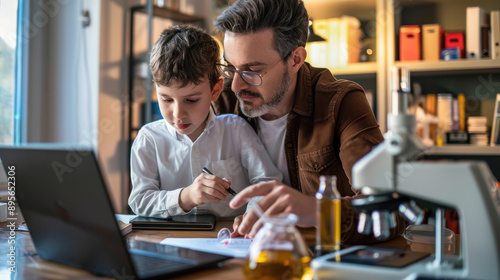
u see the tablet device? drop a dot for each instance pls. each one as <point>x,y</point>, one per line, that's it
<point>378,256</point>
<point>183,222</point>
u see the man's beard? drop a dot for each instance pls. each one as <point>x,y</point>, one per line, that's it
<point>266,106</point>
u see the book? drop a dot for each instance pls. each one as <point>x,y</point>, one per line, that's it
<point>444,111</point>
<point>455,115</point>
<point>461,108</point>
<point>476,17</point>
<point>124,227</point>
<point>124,222</point>
<point>342,45</point>
<point>317,52</point>
<point>485,41</point>
<point>350,39</point>
<point>495,34</point>
<point>495,127</point>
<point>430,107</point>
<point>478,130</point>
<point>430,103</point>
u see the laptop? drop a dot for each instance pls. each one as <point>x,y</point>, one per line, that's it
<point>64,201</point>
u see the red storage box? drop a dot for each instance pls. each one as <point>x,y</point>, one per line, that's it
<point>455,40</point>
<point>409,42</point>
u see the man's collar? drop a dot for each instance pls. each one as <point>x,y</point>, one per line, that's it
<point>303,103</point>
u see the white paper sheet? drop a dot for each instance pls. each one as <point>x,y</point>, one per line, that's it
<point>237,247</point>
<point>125,217</point>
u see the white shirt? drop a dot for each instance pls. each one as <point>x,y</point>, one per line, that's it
<point>272,134</point>
<point>164,162</point>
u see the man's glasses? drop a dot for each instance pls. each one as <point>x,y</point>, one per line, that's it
<point>250,77</point>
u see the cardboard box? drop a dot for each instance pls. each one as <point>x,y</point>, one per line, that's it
<point>409,42</point>
<point>450,54</point>
<point>432,41</point>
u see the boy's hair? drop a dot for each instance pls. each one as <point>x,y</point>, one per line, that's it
<point>288,19</point>
<point>184,54</point>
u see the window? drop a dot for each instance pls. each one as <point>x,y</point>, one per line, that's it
<point>8,54</point>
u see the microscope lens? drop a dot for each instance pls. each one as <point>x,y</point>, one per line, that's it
<point>419,213</point>
<point>381,224</point>
<point>393,220</point>
<point>376,224</point>
<point>365,223</point>
<point>409,215</point>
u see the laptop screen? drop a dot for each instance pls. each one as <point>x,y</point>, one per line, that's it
<point>63,199</point>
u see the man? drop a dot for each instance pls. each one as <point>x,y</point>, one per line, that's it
<point>310,123</point>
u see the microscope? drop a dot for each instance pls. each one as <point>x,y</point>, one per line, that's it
<point>394,182</point>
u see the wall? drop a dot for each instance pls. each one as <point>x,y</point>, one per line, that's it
<point>112,89</point>
<point>60,100</point>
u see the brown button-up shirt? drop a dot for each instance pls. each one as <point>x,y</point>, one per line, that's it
<point>330,127</point>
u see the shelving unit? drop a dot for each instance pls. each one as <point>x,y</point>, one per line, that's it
<point>453,66</point>
<point>361,68</point>
<point>385,18</point>
<point>467,76</point>
<point>464,150</point>
<point>463,75</point>
<point>490,155</point>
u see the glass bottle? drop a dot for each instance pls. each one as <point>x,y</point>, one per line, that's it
<point>278,251</point>
<point>328,205</point>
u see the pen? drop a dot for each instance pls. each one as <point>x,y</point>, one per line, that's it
<point>205,170</point>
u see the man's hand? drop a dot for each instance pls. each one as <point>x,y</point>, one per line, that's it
<point>205,188</point>
<point>278,198</point>
<point>236,224</point>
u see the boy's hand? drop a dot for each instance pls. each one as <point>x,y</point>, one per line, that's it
<point>205,188</point>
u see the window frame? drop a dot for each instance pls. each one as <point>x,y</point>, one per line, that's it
<point>21,73</point>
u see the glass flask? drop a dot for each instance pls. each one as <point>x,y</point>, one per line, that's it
<point>278,251</point>
<point>328,210</point>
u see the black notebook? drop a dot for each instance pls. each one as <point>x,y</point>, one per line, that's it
<point>184,222</point>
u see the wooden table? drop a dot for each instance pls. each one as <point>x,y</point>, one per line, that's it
<point>30,266</point>
<point>231,269</point>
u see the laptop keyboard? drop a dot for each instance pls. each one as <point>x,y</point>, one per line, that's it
<point>147,265</point>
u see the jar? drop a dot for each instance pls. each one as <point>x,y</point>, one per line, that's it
<point>278,251</point>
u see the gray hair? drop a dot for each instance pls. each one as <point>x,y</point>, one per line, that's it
<point>288,19</point>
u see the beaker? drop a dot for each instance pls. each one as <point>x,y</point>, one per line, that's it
<point>278,251</point>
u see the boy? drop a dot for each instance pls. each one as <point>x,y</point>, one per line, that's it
<point>168,155</point>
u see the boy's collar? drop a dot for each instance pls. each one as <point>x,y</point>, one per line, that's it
<point>210,119</point>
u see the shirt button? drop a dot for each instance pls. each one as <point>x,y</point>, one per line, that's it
<point>288,145</point>
<point>315,165</point>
